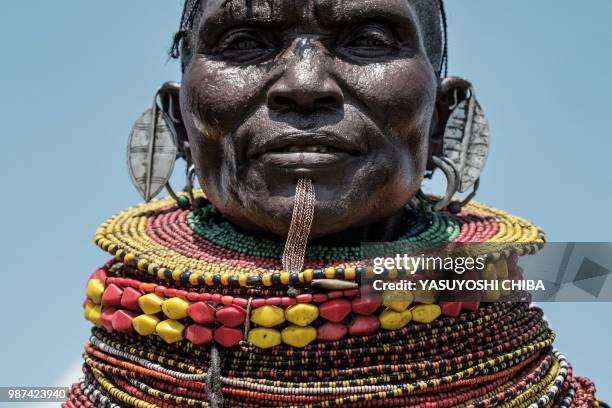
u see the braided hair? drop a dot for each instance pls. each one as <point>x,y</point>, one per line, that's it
<point>431,15</point>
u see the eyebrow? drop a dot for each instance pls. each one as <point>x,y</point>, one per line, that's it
<point>332,13</point>
<point>225,14</point>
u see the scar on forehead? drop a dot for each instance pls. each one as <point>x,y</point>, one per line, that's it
<point>253,8</point>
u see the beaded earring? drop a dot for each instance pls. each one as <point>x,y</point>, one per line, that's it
<point>154,147</point>
<point>464,148</point>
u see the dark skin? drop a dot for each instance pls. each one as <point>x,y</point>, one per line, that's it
<point>342,93</point>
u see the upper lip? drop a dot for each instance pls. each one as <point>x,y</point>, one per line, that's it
<point>287,140</point>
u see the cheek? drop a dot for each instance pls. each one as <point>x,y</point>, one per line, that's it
<point>400,95</point>
<point>220,96</point>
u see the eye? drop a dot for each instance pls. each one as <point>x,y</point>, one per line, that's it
<point>370,41</point>
<point>244,45</point>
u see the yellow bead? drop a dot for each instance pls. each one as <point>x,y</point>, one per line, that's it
<point>264,338</point>
<point>302,314</point>
<point>95,288</point>
<point>425,313</point>
<point>87,309</point>
<point>242,280</point>
<point>268,316</point>
<point>397,300</point>
<point>94,315</point>
<point>176,274</point>
<point>175,308</point>
<point>151,303</point>
<point>140,264</point>
<point>392,320</point>
<point>501,267</point>
<point>170,330</point>
<point>266,279</point>
<point>193,279</point>
<point>308,275</point>
<point>330,273</point>
<point>297,336</point>
<point>145,324</point>
<point>129,258</point>
<point>491,295</point>
<point>349,273</point>
<point>425,296</point>
<point>284,278</point>
<point>489,272</point>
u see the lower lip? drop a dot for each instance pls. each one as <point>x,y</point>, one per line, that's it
<point>305,160</point>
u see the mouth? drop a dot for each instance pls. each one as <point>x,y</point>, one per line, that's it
<point>306,150</point>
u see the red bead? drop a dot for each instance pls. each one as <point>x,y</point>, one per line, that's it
<point>305,298</point>
<point>227,300</point>
<point>258,303</point>
<point>107,318</point>
<point>331,331</point>
<point>241,302</point>
<point>99,274</point>
<point>205,297</point>
<point>451,308</point>
<point>319,298</point>
<point>193,296</point>
<point>215,298</point>
<point>231,316</point>
<point>122,321</point>
<point>335,310</point>
<point>336,294</point>
<point>351,292</point>
<point>160,290</point>
<point>170,292</point>
<point>287,301</point>
<point>366,305</point>
<point>130,297</point>
<point>198,335</point>
<point>228,336</point>
<point>201,312</point>
<point>182,293</point>
<point>364,326</point>
<point>273,301</point>
<point>471,306</point>
<point>112,295</point>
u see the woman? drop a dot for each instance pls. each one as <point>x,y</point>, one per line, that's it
<point>310,126</point>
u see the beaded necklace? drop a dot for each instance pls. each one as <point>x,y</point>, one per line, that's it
<point>191,311</point>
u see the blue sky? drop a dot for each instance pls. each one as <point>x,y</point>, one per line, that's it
<point>75,75</point>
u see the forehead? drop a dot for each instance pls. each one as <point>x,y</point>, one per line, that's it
<point>285,13</point>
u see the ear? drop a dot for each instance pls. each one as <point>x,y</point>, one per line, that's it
<point>451,91</point>
<point>169,97</point>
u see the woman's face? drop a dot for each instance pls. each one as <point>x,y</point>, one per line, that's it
<point>340,92</point>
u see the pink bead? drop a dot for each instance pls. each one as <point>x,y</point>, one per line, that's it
<point>241,302</point>
<point>98,274</point>
<point>258,303</point>
<point>182,294</point>
<point>122,321</point>
<point>451,308</point>
<point>112,295</point>
<point>287,301</point>
<point>198,335</point>
<point>201,312</point>
<point>336,294</point>
<point>205,297</point>
<point>319,298</point>
<point>366,305</point>
<point>227,300</point>
<point>364,326</point>
<point>331,331</point>
<point>193,296</point>
<point>171,292</point>
<point>216,298</point>
<point>273,301</point>
<point>305,298</point>
<point>228,336</point>
<point>231,316</point>
<point>107,318</point>
<point>129,299</point>
<point>351,292</point>
<point>160,290</point>
<point>471,306</point>
<point>335,310</point>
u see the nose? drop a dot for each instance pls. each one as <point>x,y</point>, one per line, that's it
<point>305,84</point>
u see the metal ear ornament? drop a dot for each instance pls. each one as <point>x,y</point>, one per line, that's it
<point>152,148</point>
<point>466,138</point>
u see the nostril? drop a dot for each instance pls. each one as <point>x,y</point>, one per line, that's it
<point>327,102</point>
<point>284,102</point>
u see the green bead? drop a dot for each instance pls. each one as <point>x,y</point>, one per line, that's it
<point>183,201</point>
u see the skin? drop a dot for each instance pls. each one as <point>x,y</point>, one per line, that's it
<point>339,92</point>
